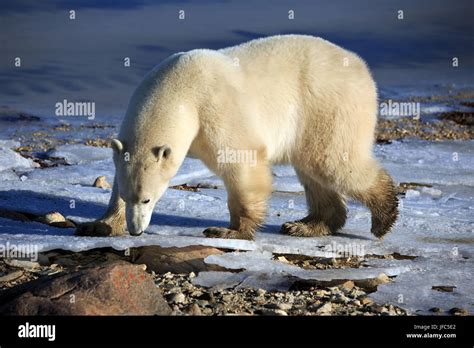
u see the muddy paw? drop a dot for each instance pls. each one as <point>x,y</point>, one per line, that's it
<point>227,233</point>
<point>302,229</point>
<point>99,228</point>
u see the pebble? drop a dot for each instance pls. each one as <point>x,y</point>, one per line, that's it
<point>194,310</point>
<point>54,216</point>
<point>347,286</point>
<point>261,292</point>
<point>367,301</point>
<point>101,182</point>
<point>273,312</point>
<point>22,263</point>
<point>458,311</point>
<point>227,297</point>
<point>281,306</point>
<point>11,276</point>
<point>325,308</point>
<point>177,298</point>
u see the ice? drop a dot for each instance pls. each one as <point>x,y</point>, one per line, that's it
<point>435,224</point>
<point>11,160</point>
<point>420,296</point>
<point>78,153</point>
<point>444,163</point>
<point>435,193</point>
<point>412,194</point>
<point>260,262</point>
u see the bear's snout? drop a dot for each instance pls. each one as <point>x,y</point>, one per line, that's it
<point>138,220</point>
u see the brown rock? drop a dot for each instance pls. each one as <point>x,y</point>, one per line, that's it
<point>56,219</point>
<point>176,260</point>
<point>367,301</point>
<point>193,310</point>
<point>101,182</point>
<point>11,276</point>
<point>347,286</point>
<point>371,284</point>
<point>458,311</point>
<point>118,288</point>
<point>53,216</point>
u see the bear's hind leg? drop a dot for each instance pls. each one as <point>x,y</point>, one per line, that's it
<point>381,199</point>
<point>248,188</point>
<point>111,224</point>
<point>327,211</point>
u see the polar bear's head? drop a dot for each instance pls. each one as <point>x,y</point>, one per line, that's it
<point>142,177</point>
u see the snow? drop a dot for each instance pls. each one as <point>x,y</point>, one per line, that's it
<point>435,224</point>
<point>77,153</point>
<point>11,160</point>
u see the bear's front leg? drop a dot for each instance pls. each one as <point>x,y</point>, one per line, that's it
<point>248,188</point>
<point>111,224</point>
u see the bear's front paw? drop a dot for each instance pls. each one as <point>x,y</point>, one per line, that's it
<point>304,229</point>
<point>227,233</point>
<point>100,228</point>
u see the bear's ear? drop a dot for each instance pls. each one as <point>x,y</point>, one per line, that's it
<point>161,152</point>
<point>117,146</point>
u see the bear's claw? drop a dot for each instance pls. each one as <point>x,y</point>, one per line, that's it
<point>305,229</point>
<point>99,228</point>
<point>227,233</point>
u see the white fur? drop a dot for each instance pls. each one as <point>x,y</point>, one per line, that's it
<point>295,99</point>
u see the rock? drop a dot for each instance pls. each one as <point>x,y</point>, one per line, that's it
<point>261,292</point>
<point>341,298</point>
<point>227,297</point>
<point>347,286</point>
<point>101,182</point>
<point>444,288</point>
<point>282,306</point>
<point>43,260</point>
<point>458,311</point>
<point>435,310</point>
<point>56,219</point>
<point>207,296</point>
<point>53,216</point>
<point>11,276</point>
<point>118,288</point>
<point>325,308</point>
<point>367,301</point>
<point>22,263</point>
<point>177,298</point>
<point>193,310</point>
<point>380,309</point>
<point>280,312</point>
<point>270,312</point>
<point>14,215</point>
<point>371,284</point>
<point>176,260</point>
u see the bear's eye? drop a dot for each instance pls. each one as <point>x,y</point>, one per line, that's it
<point>146,201</point>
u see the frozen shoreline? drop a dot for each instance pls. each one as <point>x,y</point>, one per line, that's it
<point>436,224</point>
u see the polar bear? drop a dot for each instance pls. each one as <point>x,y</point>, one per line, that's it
<point>292,99</point>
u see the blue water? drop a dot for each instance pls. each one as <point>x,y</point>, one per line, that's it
<point>82,59</point>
